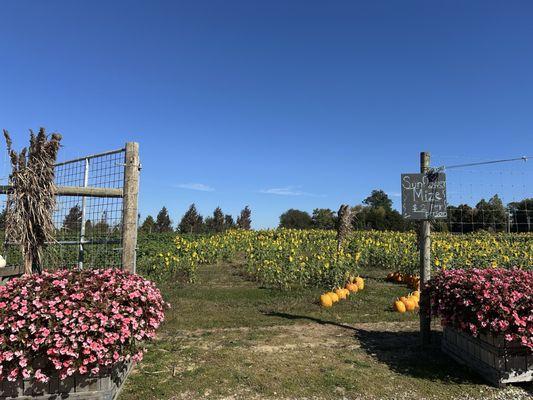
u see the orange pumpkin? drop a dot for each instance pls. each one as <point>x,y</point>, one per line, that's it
<point>352,287</point>
<point>334,297</point>
<point>325,301</point>
<point>399,306</point>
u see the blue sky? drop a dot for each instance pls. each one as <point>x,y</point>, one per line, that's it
<point>274,104</point>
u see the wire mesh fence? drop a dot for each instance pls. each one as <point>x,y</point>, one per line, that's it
<point>494,197</point>
<point>88,229</point>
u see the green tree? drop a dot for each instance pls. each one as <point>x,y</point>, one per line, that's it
<point>499,216</point>
<point>72,221</point>
<point>191,222</point>
<point>295,219</point>
<point>218,220</point>
<point>229,223</point>
<point>461,219</point>
<point>102,226</point>
<point>148,225</point>
<point>378,198</point>
<point>244,220</point>
<point>163,222</point>
<point>323,218</point>
<point>522,215</point>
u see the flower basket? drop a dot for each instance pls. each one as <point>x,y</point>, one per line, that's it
<point>488,320</point>
<point>74,334</point>
<point>103,386</point>
<point>496,360</point>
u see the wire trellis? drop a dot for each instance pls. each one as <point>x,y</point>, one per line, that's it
<point>88,229</point>
<point>494,196</point>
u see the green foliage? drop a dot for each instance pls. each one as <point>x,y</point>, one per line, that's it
<point>191,222</point>
<point>295,219</point>
<point>244,220</point>
<point>378,199</point>
<point>149,225</point>
<point>163,223</point>
<point>72,221</point>
<point>228,222</point>
<point>323,218</point>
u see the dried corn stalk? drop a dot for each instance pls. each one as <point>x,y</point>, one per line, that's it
<point>344,224</point>
<point>31,201</point>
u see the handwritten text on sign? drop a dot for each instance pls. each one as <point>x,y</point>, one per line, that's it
<point>424,196</point>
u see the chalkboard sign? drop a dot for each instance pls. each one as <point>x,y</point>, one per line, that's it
<point>424,196</point>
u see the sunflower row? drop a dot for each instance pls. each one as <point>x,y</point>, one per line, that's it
<point>284,258</point>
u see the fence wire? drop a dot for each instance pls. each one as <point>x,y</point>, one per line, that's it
<point>491,197</point>
<point>89,229</point>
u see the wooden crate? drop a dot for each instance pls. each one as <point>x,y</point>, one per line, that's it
<point>496,360</point>
<point>104,386</point>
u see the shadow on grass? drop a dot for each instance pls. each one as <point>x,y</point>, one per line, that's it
<point>402,352</point>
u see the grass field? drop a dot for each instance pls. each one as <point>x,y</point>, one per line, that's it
<point>228,338</point>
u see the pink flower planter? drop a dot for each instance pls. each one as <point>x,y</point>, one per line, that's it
<point>104,386</point>
<point>495,359</point>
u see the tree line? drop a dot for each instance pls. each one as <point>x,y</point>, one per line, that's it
<point>193,222</point>
<point>377,213</point>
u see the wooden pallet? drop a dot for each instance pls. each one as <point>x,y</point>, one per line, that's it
<point>105,386</point>
<point>496,360</point>
<point>11,271</point>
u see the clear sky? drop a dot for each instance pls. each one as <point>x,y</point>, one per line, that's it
<point>272,104</point>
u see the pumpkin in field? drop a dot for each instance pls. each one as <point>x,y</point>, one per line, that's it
<point>360,282</point>
<point>409,305</point>
<point>325,301</point>
<point>341,293</point>
<point>399,306</point>
<point>416,294</point>
<point>415,301</point>
<point>334,297</point>
<point>352,287</point>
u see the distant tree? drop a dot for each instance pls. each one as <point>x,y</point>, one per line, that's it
<point>163,222</point>
<point>218,220</point>
<point>191,222</point>
<point>378,214</point>
<point>72,221</point>
<point>148,225</point>
<point>88,226</point>
<point>228,222</point>
<point>244,221</point>
<point>358,214</point>
<point>295,219</point>
<point>499,216</point>
<point>481,211</point>
<point>378,198</point>
<point>209,225</point>
<point>323,218</point>
<point>522,215</point>
<point>461,219</point>
<point>102,226</point>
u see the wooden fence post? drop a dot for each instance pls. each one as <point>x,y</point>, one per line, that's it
<point>130,206</point>
<point>425,265</point>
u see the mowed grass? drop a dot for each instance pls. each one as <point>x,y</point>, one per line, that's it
<point>226,337</point>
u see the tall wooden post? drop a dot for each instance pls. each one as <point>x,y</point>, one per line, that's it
<point>425,265</point>
<point>130,207</point>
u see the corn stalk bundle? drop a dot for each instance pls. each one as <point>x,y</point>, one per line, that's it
<point>344,224</point>
<point>31,200</point>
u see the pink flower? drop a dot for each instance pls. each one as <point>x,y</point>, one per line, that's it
<point>42,316</point>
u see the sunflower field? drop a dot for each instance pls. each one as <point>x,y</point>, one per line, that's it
<point>284,258</point>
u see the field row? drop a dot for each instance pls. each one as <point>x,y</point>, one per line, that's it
<point>285,258</point>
